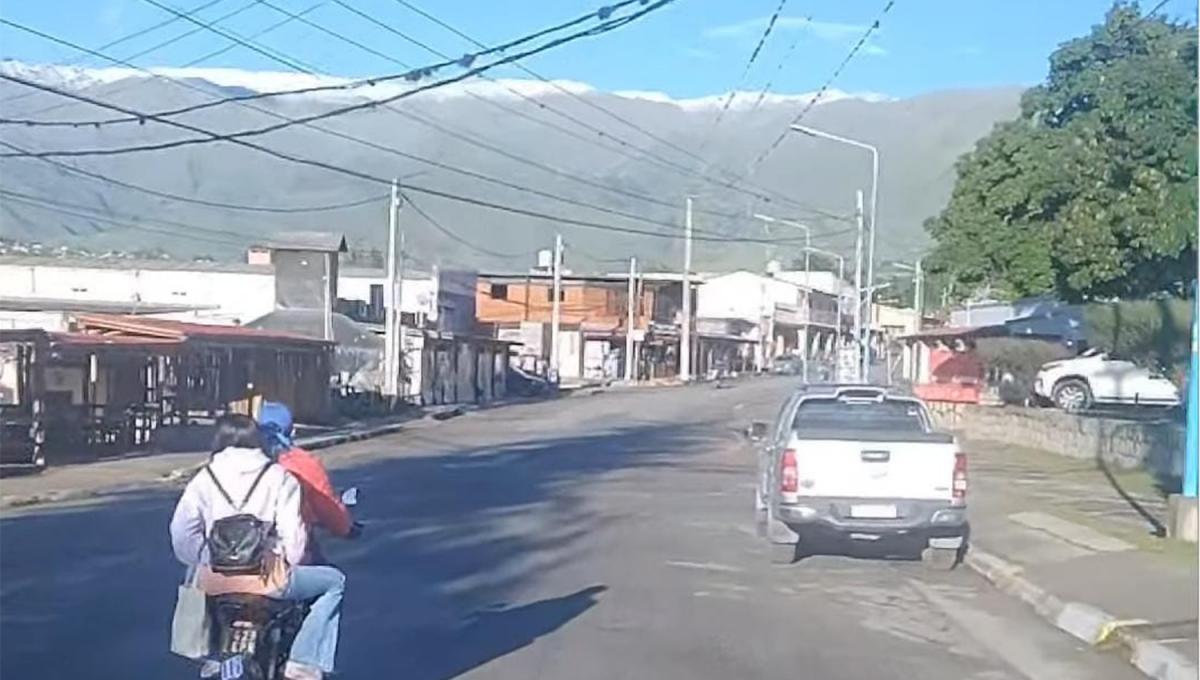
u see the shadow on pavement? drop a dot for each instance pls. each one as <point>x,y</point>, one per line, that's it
<point>491,634</point>
<point>88,591</point>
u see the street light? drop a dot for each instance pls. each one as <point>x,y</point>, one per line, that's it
<point>807,236</point>
<point>918,288</point>
<point>808,288</point>
<point>840,282</point>
<point>811,132</point>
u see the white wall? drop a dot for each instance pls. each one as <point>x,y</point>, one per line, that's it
<point>744,295</point>
<point>238,296</point>
<point>417,295</point>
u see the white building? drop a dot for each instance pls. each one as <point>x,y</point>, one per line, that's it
<point>34,290</point>
<point>788,318</point>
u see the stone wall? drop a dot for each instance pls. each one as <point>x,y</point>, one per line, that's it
<point>1124,444</point>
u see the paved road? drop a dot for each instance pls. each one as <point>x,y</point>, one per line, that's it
<point>606,536</point>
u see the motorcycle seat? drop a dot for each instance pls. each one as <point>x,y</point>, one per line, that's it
<point>257,606</point>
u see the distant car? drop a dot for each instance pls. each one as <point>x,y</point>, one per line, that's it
<point>1094,378</point>
<point>787,365</point>
<point>861,464</point>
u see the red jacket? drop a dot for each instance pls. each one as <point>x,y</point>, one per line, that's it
<point>320,505</point>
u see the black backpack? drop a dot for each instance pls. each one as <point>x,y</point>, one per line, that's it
<point>238,544</point>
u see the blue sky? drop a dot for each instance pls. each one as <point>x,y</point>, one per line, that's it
<point>691,48</point>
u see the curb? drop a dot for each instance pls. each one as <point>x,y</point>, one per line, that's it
<point>181,473</point>
<point>1089,624</point>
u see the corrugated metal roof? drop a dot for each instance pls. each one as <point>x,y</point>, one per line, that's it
<point>133,263</point>
<point>323,241</point>
<point>38,304</point>
<point>163,328</point>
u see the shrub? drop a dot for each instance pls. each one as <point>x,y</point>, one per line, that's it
<point>1012,363</point>
<point>1150,333</point>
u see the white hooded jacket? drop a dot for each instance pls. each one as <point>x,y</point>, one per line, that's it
<point>276,499</point>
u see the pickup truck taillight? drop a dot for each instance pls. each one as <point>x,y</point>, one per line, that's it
<point>789,476</point>
<point>958,485</point>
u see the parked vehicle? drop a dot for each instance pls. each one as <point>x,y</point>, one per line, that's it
<point>252,634</point>
<point>1095,377</point>
<point>862,464</point>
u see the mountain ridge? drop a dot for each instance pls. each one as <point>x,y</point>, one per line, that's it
<point>919,139</point>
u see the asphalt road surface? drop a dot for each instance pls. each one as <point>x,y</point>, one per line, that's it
<point>607,536</point>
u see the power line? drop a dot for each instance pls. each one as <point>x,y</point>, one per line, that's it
<point>26,153</point>
<point>762,94</point>
<point>465,138</point>
<point>126,38</point>
<point>299,160</point>
<point>350,108</point>
<point>197,201</point>
<point>411,75</point>
<point>824,87</point>
<point>292,63</point>
<point>662,162</point>
<point>753,190</point>
<point>73,211</point>
<point>749,63</point>
<point>454,236</point>
<point>33,122</point>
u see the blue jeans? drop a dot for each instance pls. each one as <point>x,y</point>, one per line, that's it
<point>316,643</point>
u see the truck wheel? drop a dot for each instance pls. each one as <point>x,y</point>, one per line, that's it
<point>783,553</point>
<point>939,559</point>
<point>1072,395</point>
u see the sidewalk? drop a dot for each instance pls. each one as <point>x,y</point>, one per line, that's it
<point>105,477</point>
<point>1082,546</point>
<point>137,470</point>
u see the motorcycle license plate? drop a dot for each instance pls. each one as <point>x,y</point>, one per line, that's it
<point>233,668</point>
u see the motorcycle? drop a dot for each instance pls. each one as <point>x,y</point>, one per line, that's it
<point>252,634</point>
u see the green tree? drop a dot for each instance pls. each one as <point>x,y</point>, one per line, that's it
<point>1091,192</point>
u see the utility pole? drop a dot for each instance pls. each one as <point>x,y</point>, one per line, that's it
<point>327,308</point>
<point>685,331</point>
<point>629,320</point>
<point>870,310</point>
<point>556,306</point>
<point>858,292</point>
<point>919,293</point>
<point>392,300</point>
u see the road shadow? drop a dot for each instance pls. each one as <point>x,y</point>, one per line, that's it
<point>452,533</point>
<point>492,634</point>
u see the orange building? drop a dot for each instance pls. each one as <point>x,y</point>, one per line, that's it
<point>593,319</point>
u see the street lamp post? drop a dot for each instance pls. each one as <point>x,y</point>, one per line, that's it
<point>840,282</point>
<point>871,239</point>
<point>807,237</point>
<point>807,285</point>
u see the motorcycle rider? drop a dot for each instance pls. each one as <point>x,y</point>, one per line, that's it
<point>239,469</point>
<point>320,505</point>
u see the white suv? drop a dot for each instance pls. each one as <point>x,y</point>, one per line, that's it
<point>1095,378</point>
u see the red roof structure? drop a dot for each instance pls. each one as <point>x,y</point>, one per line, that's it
<point>112,326</point>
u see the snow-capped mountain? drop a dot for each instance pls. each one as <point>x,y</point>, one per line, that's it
<point>78,78</point>
<point>611,158</point>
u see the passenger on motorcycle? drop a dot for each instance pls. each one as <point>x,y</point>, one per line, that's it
<point>238,469</point>
<point>320,505</point>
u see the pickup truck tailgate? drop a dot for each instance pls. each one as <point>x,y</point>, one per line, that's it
<point>844,468</point>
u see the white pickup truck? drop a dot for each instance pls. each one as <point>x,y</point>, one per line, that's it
<point>861,464</point>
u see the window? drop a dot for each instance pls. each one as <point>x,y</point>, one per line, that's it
<point>499,291</point>
<point>831,414</point>
<point>562,294</point>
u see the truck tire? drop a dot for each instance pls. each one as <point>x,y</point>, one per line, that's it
<point>940,559</point>
<point>783,553</point>
<point>1072,395</point>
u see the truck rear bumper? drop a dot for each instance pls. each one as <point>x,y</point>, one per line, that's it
<point>921,519</point>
